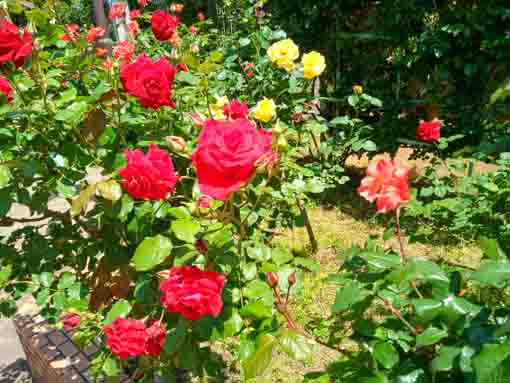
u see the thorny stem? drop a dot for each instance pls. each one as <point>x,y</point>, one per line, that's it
<point>308,225</point>
<point>398,314</point>
<point>399,235</point>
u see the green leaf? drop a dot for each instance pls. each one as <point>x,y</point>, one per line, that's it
<point>281,256</point>
<point>66,280</point>
<point>416,270</point>
<point>491,248</point>
<point>386,354</point>
<point>175,338</point>
<point>80,203</point>
<point>5,274</point>
<point>111,367</point>
<point>257,289</point>
<point>295,345</point>
<point>259,361</point>
<point>233,325</point>
<point>46,279</point>
<point>257,309</point>
<point>188,78</point>
<point>109,190</point>
<point>444,361</point>
<point>244,41</point>
<point>488,360</point>
<point>151,252</point>
<point>431,335</point>
<point>121,308</point>
<point>260,253</point>
<point>249,270</point>
<point>5,176</point>
<point>185,229</point>
<point>493,273</point>
<point>74,113</point>
<point>347,296</point>
<point>380,259</point>
<point>427,309</point>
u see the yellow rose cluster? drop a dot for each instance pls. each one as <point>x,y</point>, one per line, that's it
<point>284,53</point>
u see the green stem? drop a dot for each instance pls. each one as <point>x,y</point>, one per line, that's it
<point>403,255</point>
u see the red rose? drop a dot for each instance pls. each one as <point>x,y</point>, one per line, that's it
<point>429,131</point>
<point>181,67</point>
<point>70,321</point>
<point>149,81</point>
<point>107,64</point>
<point>150,176</point>
<point>236,109</point>
<point>95,33</point>
<point>192,292</point>
<point>227,154</point>
<point>156,339</point>
<point>123,51</point>
<point>143,3</point>
<point>135,14</point>
<point>5,88</point>
<point>117,10</point>
<point>387,182</point>
<point>14,46</point>
<point>193,29</point>
<point>200,16</point>
<point>163,25</point>
<point>126,337</point>
<point>71,33</point>
<point>133,28</point>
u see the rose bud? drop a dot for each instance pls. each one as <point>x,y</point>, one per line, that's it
<point>292,279</point>
<point>193,29</point>
<point>202,246</point>
<point>176,143</point>
<point>272,279</point>
<point>200,16</point>
<point>357,89</point>
<point>195,49</point>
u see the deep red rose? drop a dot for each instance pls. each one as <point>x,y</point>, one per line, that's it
<point>123,51</point>
<point>151,176</point>
<point>236,109</point>
<point>387,182</point>
<point>14,46</point>
<point>150,81</point>
<point>156,339</point>
<point>192,292</point>
<point>126,337</point>
<point>95,33</point>
<point>163,25</point>
<point>5,88</point>
<point>70,321</point>
<point>117,10</point>
<point>226,155</point>
<point>429,131</point>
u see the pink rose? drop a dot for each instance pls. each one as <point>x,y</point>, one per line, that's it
<point>151,176</point>
<point>227,154</point>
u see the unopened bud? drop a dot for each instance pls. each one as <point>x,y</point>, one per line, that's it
<point>176,143</point>
<point>272,279</point>
<point>292,279</point>
<point>195,49</point>
<point>357,89</point>
<point>202,246</point>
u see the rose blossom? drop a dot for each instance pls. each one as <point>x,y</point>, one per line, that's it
<point>101,52</point>
<point>150,176</point>
<point>143,3</point>
<point>135,14</point>
<point>203,202</point>
<point>95,33</point>
<point>126,337</point>
<point>123,51</point>
<point>117,10</point>
<point>387,182</point>
<point>200,16</point>
<point>149,81</point>
<point>71,33</point>
<point>14,46</point>
<point>176,7</point>
<point>236,109</point>
<point>133,28</point>
<point>6,89</point>
<point>226,155</point>
<point>107,64</point>
<point>156,334</point>
<point>429,131</point>
<point>193,29</point>
<point>70,321</point>
<point>163,25</point>
<point>192,292</point>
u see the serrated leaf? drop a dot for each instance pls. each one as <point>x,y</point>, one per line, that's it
<point>347,296</point>
<point>257,363</point>
<point>444,361</point>
<point>121,308</point>
<point>151,252</point>
<point>430,336</point>
<point>386,354</point>
<point>185,229</point>
<point>493,273</point>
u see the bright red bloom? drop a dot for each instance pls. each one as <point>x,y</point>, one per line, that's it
<point>236,109</point>
<point>70,321</point>
<point>126,337</point>
<point>387,182</point>
<point>123,51</point>
<point>193,29</point>
<point>117,10</point>
<point>95,33</point>
<point>192,292</point>
<point>143,3</point>
<point>429,131</point>
<point>156,339</point>
<point>227,154</point>
<point>101,52</point>
<point>5,88</point>
<point>71,33</point>
<point>163,25</point>
<point>200,16</point>
<point>150,81</point>
<point>135,14</point>
<point>149,176</point>
<point>133,28</point>
<point>14,46</point>
<point>107,64</point>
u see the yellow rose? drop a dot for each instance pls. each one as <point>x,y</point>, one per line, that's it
<point>217,108</point>
<point>283,53</point>
<point>265,110</point>
<point>314,64</point>
<point>357,89</point>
